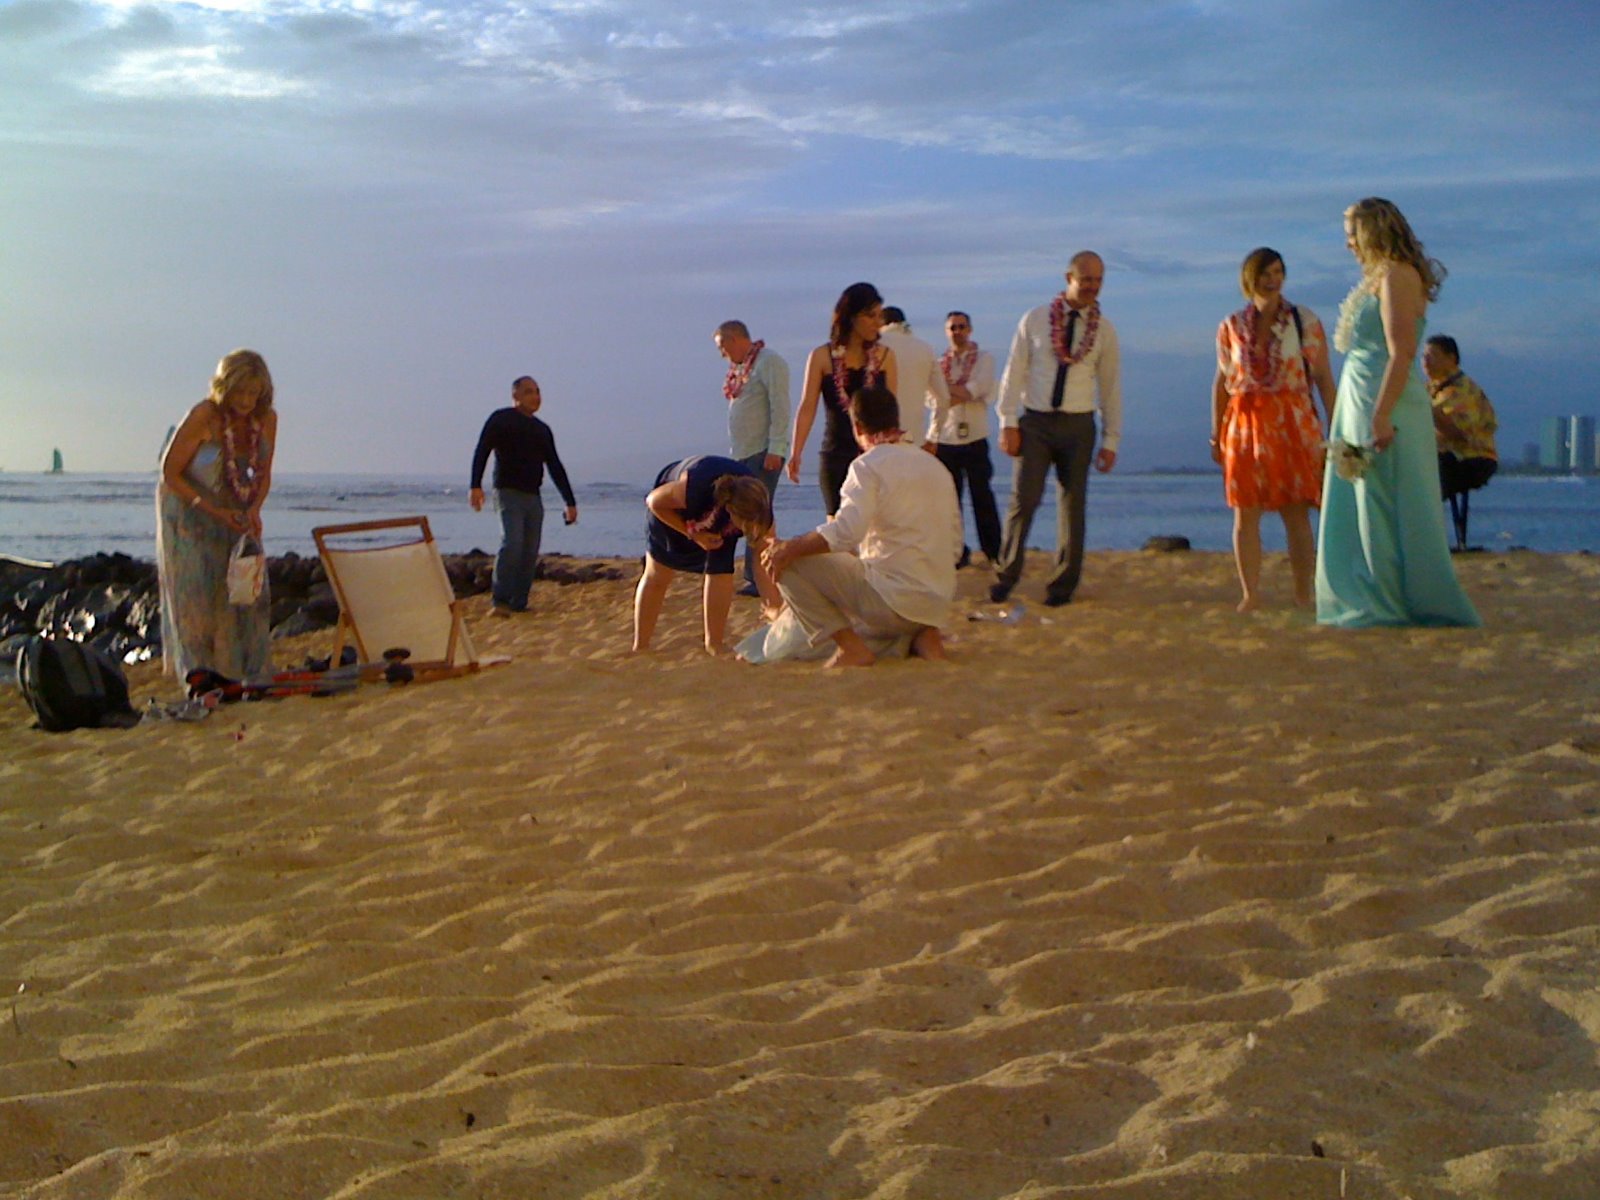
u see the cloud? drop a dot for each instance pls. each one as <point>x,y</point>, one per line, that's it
<point>200,71</point>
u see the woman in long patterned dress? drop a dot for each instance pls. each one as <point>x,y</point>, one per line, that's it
<point>851,358</point>
<point>1383,557</point>
<point>215,475</point>
<point>1264,426</point>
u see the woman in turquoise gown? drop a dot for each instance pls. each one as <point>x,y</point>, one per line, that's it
<point>1383,556</point>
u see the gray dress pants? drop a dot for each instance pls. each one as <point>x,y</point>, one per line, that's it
<point>1066,442</point>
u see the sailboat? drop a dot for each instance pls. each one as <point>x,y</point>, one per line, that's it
<point>55,463</point>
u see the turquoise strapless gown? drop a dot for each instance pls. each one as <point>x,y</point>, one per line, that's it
<point>1383,556</point>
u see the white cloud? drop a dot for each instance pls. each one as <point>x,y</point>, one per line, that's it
<point>200,71</point>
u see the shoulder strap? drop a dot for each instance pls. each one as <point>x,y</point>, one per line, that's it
<point>1300,332</point>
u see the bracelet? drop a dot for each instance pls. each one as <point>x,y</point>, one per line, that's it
<point>197,501</point>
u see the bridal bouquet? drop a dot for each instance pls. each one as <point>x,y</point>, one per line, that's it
<point>1350,462</point>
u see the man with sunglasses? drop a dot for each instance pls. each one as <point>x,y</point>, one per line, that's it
<point>959,430</point>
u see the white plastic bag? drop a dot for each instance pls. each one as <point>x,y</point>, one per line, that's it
<point>247,571</point>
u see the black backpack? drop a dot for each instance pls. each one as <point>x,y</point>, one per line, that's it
<point>72,686</point>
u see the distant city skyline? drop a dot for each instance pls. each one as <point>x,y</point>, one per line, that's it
<point>405,207</point>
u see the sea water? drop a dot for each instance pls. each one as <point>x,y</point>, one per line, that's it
<point>58,517</point>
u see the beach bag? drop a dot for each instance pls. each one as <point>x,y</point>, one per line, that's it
<point>247,571</point>
<point>72,686</point>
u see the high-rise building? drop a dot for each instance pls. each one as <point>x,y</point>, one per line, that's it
<point>1553,443</point>
<point>1580,444</point>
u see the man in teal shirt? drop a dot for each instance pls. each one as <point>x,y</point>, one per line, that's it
<point>757,392</point>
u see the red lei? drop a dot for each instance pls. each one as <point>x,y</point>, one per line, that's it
<point>1263,364</point>
<point>1058,331</point>
<point>739,373</point>
<point>966,360</point>
<point>874,367</point>
<point>240,461</point>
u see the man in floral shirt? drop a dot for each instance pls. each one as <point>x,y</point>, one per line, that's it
<point>1463,424</point>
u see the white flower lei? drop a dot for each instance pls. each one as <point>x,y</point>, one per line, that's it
<point>1344,333</point>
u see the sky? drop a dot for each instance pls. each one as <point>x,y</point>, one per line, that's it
<point>405,205</point>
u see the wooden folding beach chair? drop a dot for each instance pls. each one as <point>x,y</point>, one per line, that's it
<point>394,594</point>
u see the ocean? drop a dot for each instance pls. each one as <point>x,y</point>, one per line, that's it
<point>58,517</point>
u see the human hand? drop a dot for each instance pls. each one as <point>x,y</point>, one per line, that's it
<point>1216,451</point>
<point>571,514</point>
<point>255,522</point>
<point>931,447</point>
<point>779,553</point>
<point>794,468</point>
<point>960,393</point>
<point>1105,460</point>
<point>772,462</point>
<point>475,498</point>
<point>706,540</point>
<point>1382,431</point>
<point>1011,441</point>
<point>238,522</point>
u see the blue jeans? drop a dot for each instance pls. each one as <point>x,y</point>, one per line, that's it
<point>522,525</point>
<point>756,463</point>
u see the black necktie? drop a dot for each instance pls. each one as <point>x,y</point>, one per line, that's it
<point>1061,368</point>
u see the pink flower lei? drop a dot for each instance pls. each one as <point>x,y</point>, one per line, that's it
<point>1058,330</point>
<point>1262,364</point>
<point>241,479</point>
<point>874,367</point>
<point>949,361</point>
<point>739,373</point>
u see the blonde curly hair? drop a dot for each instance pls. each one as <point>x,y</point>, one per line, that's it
<point>238,368</point>
<point>1380,233</point>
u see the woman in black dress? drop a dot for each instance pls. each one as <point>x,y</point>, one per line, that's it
<point>851,358</point>
<point>698,510</point>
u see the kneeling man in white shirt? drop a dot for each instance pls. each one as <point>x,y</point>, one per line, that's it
<point>885,564</point>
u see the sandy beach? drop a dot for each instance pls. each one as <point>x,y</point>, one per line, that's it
<point>1136,898</point>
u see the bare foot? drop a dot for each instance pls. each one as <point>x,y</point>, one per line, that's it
<point>843,658</point>
<point>1248,605</point>
<point>929,645</point>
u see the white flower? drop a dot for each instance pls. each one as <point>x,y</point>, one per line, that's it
<point>1350,463</point>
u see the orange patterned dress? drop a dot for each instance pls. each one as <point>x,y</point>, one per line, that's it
<point>1271,438</point>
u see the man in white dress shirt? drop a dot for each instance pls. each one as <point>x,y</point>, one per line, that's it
<point>960,429</point>
<point>884,566</point>
<point>1064,364</point>
<point>920,382</point>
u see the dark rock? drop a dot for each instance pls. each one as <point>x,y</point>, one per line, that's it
<point>297,623</point>
<point>114,601</point>
<point>1166,543</point>
<point>321,605</point>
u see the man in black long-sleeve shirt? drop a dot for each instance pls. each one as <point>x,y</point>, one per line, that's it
<point>523,447</point>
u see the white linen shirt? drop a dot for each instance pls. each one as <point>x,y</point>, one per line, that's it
<point>944,422</point>
<point>1031,376</point>
<point>898,514</point>
<point>919,382</point>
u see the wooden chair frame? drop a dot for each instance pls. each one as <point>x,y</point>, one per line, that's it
<point>349,627</point>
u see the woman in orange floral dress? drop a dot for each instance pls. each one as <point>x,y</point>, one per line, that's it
<point>1264,425</point>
